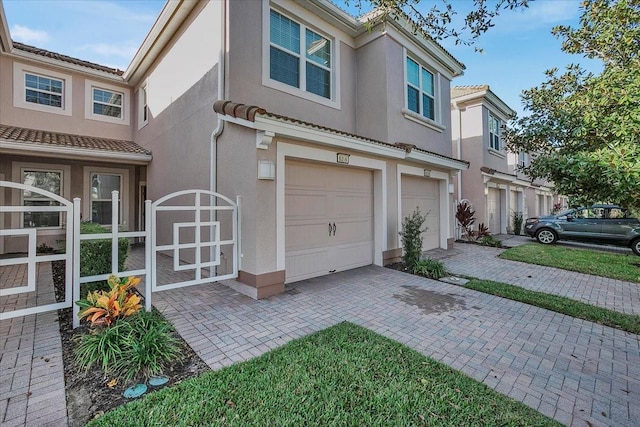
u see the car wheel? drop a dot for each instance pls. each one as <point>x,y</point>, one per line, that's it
<point>546,236</point>
<point>635,247</point>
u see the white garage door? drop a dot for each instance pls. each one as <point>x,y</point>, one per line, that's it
<point>328,219</point>
<point>423,193</point>
<point>493,210</point>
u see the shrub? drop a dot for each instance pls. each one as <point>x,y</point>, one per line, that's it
<point>431,268</point>
<point>102,308</point>
<point>140,345</point>
<point>95,255</point>
<point>411,238</point>
<point>465,216</point>
<point>483,230</point>
<point>489,240</point>
<point>517,222</point>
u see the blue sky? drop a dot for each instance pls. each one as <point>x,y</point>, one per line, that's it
<point>517,50</point>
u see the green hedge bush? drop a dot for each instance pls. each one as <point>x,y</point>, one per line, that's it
<point>95,255</point>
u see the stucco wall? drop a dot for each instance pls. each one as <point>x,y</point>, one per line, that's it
<point>248,59</point>
<point>76,123</point>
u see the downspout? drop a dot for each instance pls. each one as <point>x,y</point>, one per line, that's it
<point>459,151</point>
<point>459,157</point>
<point>213,153</point>
<point>213,148</point>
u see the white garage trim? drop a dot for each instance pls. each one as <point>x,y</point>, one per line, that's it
<point>444,198</point>
<point>379,168</point>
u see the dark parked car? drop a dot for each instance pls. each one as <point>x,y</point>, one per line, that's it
<point>598,224</point>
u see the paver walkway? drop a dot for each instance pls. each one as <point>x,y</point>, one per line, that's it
<point>483,262</point>
<point>578,372</point>
<point>31,371</point>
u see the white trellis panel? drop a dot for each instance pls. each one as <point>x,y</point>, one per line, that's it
<point>32,259</point>
<point>214,244</point>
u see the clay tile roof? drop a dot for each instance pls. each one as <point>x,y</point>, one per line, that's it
<point>457,91</point>
<point>53,139</point>
<point>249,112</point>
<point>65,58</point>
<point>240,111</point>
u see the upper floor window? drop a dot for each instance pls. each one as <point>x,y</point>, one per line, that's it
<point>40,89</point>
<point>299,56</point>
<point>49,180</point>
<point>494,133</point>
<point>523,158</point>
<point>421,96</point>
<point>43,90</point>
<point>106,103</point>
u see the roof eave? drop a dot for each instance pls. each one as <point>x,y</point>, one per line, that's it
<point>20,54</point>
<point>43,150</point>
<point>276,127</point>
<point>170,19</point>
<point>6,44</point>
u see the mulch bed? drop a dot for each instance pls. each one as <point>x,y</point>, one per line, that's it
<point>88,395</point>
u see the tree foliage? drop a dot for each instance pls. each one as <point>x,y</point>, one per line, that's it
<point>584,128</point>
<point>437,21</point>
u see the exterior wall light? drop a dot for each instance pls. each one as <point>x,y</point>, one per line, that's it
<point>266,170</point>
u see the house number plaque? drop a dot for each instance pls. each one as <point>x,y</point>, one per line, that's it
<point>343,158</point>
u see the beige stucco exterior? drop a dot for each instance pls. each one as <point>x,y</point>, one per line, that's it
<point>494,184</point>
<point>180,65</point>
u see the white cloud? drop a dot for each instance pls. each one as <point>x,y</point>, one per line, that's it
<point>104,49</point>
<point>539,14</point>
<point>27,35</point>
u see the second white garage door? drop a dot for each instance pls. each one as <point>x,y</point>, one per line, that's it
<point>328,219</point>
<point>423,193</point>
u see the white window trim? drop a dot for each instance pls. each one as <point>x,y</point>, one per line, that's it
<point>19,94</point>
<point>89,85</point>
<point>17,168</point>
<point>491,117</point>
<point>142,122</point>
<point>436,123</point>
<point>124,195</point>
<point>334,100</point>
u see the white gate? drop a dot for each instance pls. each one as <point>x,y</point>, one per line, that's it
<point>193,244</point>
<point>22,306</point>
<point>193,237</point>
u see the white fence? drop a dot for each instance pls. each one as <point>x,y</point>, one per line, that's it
<point>65,208</point>
<point>204,270</point>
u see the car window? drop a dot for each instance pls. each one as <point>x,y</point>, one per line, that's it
<point>590,213</point>
<point>617,213</point>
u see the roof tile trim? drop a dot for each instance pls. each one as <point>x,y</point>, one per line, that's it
<point>249,112</point>
<point>64,58</point>
<point>24,135</point>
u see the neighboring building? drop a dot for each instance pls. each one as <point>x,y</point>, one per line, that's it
<point>331,132</point>
<point>493,184</point>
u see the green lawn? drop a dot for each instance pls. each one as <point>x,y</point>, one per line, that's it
<point>559,304</point>
<point>343,376</point>
<point>605,264</point>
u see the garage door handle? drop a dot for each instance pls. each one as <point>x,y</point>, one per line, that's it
<point>329,229</point>
<point>334,228</point>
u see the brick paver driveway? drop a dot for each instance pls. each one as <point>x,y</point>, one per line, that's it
<point>575,371</point>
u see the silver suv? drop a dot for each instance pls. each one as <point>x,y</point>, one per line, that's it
<point>609,224</point>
